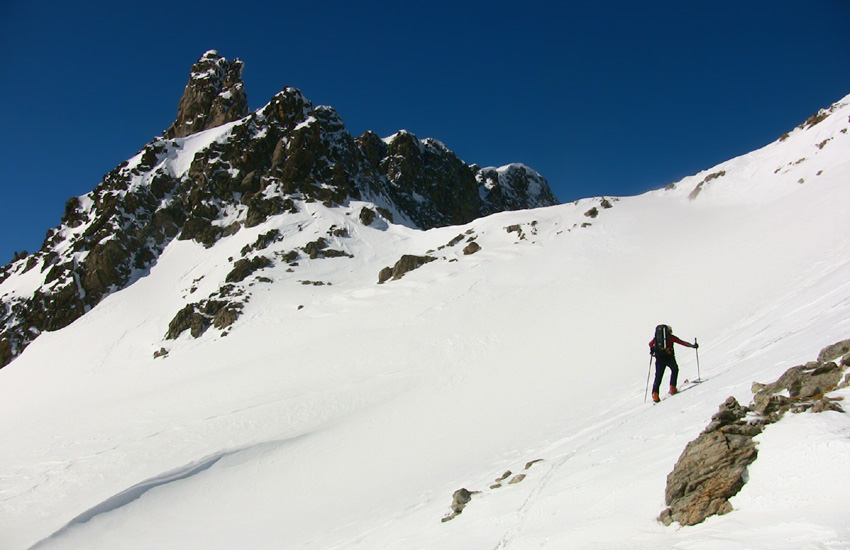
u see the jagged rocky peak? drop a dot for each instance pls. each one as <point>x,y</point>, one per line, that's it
<point>214,95</point>
<point>512,187</point>
<point>429,181</point>
<point>207,188</point>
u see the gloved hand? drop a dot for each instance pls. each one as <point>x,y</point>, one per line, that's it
<point>696,345</point>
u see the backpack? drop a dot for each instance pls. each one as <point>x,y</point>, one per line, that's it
<point>664,339</point>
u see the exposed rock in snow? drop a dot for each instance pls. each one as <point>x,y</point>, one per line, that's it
<point>713,467</point>
<point>512,187</point>
<point>214,95</point>
<point>219,171</point>
<point>471,248</point>
<point>406,264</point>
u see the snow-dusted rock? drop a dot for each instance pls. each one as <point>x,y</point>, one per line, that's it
<point>220,170</point>
<point>713,467</point>
<point>214,95</point>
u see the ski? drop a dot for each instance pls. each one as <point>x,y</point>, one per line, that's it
<point>686,385</point>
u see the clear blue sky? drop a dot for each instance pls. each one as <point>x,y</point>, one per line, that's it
<point>602,98</point>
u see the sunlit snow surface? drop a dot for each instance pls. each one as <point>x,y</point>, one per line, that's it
<point>349,422</point>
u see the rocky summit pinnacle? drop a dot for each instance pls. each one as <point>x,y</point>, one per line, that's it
<point>245,169</point>
<point>214,95</point>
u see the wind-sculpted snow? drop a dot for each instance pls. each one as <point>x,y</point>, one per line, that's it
<point>135,492</point>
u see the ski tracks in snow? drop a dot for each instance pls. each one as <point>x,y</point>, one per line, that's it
<point>591,435</point>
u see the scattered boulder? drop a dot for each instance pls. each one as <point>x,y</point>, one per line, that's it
<point>315,248</point>
<point>333,253</point>
<point>367,216</point>
<point>460,499</point>
<point>452,242</point>
<point>385,275</point>
<point>197,317</point>
<point>696,191</point>
<point>518,229</point>
<point>290,257</point>
<point>227,315</point>
<point>471,248</point>
<point>245,267</point>
<point>186,318</point>
<point>263,241</point>
<point>531,463</point>
<point>340,232</point>
<point>406,264</point>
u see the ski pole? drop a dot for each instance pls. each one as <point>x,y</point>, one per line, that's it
<point>696,349</point>
<point>647,378</point>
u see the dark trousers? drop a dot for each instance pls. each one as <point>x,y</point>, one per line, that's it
<point>663,360</point>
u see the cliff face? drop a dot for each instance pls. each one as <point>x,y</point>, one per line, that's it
<point>217,169</point>
<point>214,95</point>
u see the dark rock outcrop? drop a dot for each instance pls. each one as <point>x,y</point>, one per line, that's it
<point>243,268</point>
<point>434,188</point>
<point>834,352</point>
<point>199,316</point>
<point>214,95</point>
<point>367,216</point>
<point>803,385</point>
<point>460,499</point>
<point>471,248</point>
<point>513,187</point>
<point>429,181</point>
<point>406,264</point>
<point>712,468</point>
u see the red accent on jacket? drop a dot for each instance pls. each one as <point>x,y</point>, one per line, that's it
<point>673,340</point>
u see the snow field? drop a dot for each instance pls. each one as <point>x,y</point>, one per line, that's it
<point>349,423</point>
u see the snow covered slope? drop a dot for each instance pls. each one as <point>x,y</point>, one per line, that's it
<point>219,169</point>
<point>337,413</point>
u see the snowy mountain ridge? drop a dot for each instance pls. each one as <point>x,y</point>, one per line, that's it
<point>337,412</point>
<point>219,169</point>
